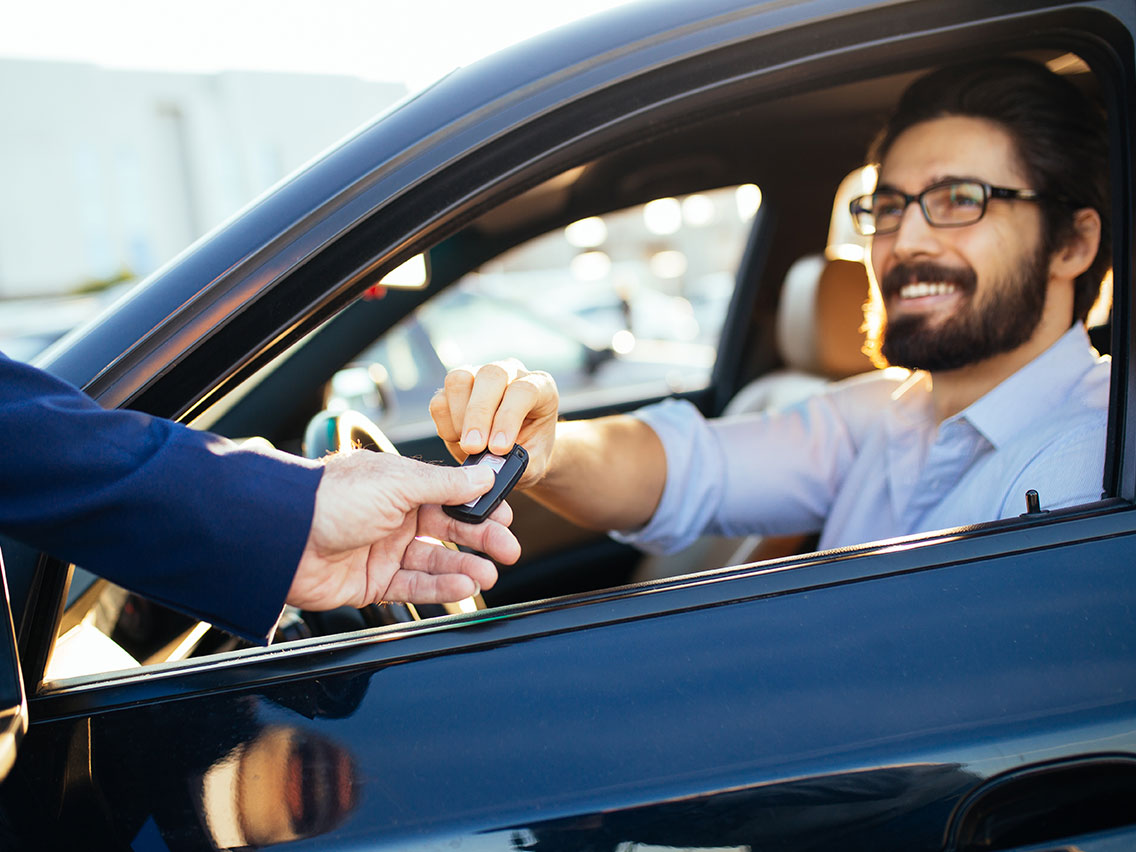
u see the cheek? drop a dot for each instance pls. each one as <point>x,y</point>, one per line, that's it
<point>879,253</point>
<point>990,254</point>
<point>1005,246</point>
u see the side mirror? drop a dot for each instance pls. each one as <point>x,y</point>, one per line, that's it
<point>13,703</point>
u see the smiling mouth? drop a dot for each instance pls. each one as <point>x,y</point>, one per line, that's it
<point>922,289</point>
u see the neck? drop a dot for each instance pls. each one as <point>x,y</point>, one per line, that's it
<point>954,390</point>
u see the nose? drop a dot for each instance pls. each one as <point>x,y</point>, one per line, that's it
<point>915,237</point>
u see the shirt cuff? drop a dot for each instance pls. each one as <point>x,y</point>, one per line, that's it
<point>692,490</point>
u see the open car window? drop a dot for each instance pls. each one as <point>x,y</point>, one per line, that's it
<point>623,306</point>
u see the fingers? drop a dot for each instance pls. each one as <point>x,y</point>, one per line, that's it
<point>464,409</point>
<point>364,497</point>
<point>485,398</point>
<point>355,475</point>
<point>493,537</point>
<point>447,406</point>
<point>503,514</point>
<point>435,484</point>
<point>496,406</point>
<point>527,399</point>
<point>435,574</point>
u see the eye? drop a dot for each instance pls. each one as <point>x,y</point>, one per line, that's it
<point>965,195</point>
<point>885,205</point>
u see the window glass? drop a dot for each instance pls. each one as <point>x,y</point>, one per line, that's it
<point>618,307</point>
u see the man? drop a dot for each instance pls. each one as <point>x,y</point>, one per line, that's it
<point>229,534</point>
<point>990,239</point>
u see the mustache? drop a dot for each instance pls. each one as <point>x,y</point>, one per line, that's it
<point>903,274</point>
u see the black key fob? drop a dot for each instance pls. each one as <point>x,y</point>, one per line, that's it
<point>508,470</point>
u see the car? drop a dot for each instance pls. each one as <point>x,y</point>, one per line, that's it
<point>964,689</point>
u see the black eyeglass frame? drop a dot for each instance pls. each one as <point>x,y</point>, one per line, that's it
<point>861,205</point>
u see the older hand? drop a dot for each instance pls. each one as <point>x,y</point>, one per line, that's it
<point>495,406</point>
<point>363,546</point>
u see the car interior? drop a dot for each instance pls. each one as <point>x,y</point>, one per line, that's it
<point>791,311</point>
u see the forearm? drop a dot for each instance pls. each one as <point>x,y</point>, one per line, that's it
<point>606,473</point>
<point>185,518</point>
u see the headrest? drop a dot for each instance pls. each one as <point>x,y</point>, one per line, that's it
<point>820,316</point>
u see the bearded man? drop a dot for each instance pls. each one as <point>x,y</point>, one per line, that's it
<point>990,238</point>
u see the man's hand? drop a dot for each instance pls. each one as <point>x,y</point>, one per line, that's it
<point>495,406</point>
<point>362,546</point>
<point>607,473</point>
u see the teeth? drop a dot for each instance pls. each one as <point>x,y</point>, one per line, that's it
<point>917,291</point>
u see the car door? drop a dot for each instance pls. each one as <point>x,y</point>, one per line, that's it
<point>969,688</point>
<point>858,699</point>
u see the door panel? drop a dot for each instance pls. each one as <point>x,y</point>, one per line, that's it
<point>861,713</point>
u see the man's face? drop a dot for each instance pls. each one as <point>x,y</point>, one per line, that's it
<point>957,296</point>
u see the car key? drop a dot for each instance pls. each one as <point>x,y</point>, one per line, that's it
<point>507,469</point>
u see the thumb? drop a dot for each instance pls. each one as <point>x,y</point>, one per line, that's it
<point>449,485</point>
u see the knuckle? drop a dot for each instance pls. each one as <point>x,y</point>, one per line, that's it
<point>522,392</point>
<point>544,379</point>
<point>536,387</point>
<point>494,372</point>
<point>458,380</point>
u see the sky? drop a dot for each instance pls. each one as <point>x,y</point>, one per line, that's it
<point>408,41</point>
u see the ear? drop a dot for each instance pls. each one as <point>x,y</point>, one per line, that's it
<point>1079,250</point>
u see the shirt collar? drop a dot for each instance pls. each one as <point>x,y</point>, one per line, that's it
<point>1031,392</point>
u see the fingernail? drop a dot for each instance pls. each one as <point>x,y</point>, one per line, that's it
<point>472,437</point>
<point>500,441</point>
<point>477,472</point>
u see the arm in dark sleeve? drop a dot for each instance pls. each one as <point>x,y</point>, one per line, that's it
<point>182,517</point>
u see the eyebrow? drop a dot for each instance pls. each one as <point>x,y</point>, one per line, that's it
<point>888,187</point>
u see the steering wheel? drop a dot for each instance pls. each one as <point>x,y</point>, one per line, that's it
<point>329,432</point>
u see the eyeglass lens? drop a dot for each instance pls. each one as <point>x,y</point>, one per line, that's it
<point>949,204</point>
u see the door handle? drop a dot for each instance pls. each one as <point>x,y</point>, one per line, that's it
<point>1084,804</point>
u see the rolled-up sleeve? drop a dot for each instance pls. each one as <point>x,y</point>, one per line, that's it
<point>692,494</point>
<point>768,473</point>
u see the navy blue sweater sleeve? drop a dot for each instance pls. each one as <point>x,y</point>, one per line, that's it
<point>185,518</point>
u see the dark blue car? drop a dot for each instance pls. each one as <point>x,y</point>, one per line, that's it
<point>967,689</point>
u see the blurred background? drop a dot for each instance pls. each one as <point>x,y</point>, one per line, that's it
<point>131,127</point>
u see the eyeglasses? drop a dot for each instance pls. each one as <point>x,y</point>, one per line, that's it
<point>949,204</point>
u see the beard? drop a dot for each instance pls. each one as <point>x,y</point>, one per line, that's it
<point>1005,320</point>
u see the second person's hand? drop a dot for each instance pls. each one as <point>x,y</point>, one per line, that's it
<point>365,544</point>
<point>495,406</point>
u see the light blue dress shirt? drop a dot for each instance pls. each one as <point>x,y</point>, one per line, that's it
<point>865,460</point>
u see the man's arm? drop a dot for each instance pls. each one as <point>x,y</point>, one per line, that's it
<point>606,473</point>
<point>188,519</point>
<point>193,521</point>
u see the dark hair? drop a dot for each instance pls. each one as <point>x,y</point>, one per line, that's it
<point>1058,134</point>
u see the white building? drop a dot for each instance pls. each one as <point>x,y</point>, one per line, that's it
<point>107,173</point>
